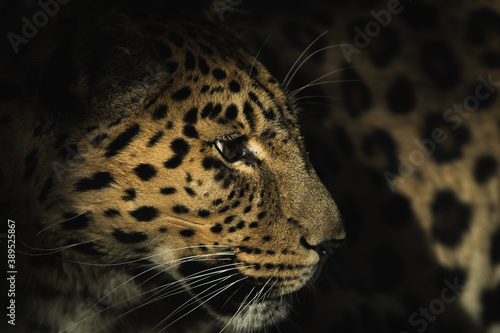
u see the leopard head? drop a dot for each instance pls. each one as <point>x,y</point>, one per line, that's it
<point>175,152</point>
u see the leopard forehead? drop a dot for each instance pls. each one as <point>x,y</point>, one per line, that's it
<point>176,84</point>
<point>165,125</point>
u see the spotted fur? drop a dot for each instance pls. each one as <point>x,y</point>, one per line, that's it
<point>129,187</point>
<point>153,162</point>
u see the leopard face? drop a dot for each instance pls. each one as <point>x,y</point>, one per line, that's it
<point>186,162</point>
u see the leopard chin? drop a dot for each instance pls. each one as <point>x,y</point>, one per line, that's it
<point>256,316</point>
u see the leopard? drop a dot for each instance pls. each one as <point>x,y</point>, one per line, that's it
<point>320,166</point>
<point>156,157</point>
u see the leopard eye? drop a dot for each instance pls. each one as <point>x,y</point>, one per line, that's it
<point>232,150</point>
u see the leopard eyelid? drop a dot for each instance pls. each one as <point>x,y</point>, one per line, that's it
<point>219,145</point>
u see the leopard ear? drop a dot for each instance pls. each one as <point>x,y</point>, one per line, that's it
<point>98,62</point>
<point>95,64</point>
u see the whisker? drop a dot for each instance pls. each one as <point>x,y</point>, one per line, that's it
<point>148,300</point>
<point>147,257</point>
<point>240,309</point>
<point>109,293</point>
<point>313,83</point>
<point>192,300</point>
<point>205,301</point>
<point>334,72</point>
<point>193,286</point>
<point>54,250</point>
<point>317,96</point>
<point>308,57</point>
<point>268,292</point>
<point>254,61</point>
<point>191,258</point>
<point>264,286</point>
<point>144,303</point>
<point>300,56</point>
<point>186,259</point>
<point>57,223</point>
<point>315,103</point>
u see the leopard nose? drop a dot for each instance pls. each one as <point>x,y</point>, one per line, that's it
<point>324,248</point>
